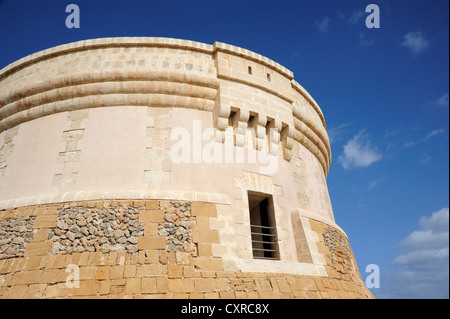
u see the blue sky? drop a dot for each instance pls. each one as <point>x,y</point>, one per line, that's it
<point>384,93</point>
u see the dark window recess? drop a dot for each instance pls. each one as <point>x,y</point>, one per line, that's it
<point>268,77</point>
<point>262,225</point>
<point>251,117</point>
<point>250,70</point>
<point>231,118</point>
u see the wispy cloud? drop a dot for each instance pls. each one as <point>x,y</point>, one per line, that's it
<point>359,152</point>
<point>374,183</point>
<point>443,100</point>
<point>355,17</point>
<point>425,159</point>
<point>323,24</point>
<point>409,144</point>
<point>361,203</point>
<point>434,133</point>
<point>335,133</point>
<point>391,146</point>
<point>415,41</point>
<point>423,262</point>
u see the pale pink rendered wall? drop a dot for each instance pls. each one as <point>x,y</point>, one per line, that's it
<point>113,149</point>
<point>33,162</point>
<point>121,103</point>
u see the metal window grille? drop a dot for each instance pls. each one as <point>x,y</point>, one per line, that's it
<point>262,225</point>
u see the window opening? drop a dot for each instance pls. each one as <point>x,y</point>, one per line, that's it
<point>262,225</point>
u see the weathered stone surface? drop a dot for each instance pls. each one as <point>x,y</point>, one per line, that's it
<point>117,268</point>
<point>333,240</point>
<point>103,229</point>
<point>15,234</point>
<point>177,224</point>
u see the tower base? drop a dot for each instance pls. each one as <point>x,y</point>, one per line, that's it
<point>151,249</point>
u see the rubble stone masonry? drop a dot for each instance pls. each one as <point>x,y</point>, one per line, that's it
<point>161,267</point>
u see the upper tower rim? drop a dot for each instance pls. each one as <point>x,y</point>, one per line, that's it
<point>158,42</point>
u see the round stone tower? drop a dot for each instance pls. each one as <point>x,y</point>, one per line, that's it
<point>165,168</point>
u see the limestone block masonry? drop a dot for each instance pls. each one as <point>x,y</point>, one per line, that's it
<point>135,166</point>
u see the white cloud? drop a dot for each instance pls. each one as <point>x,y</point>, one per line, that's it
<point>425,159</point>
<point>323,24</point>
<point>408,144</point>
<point>415,41</point>
<point>420,258</point>
<point>443,100</point>
<point>424,239</point>
<point>374,183</point>
<point>358,152</point>
<point>391,146</point>
<point>433,133</point>
<point>423,262</point>
<point>335,132</point>
<point>361,203</point>
<point>438,222</point>
<point>355,17</point>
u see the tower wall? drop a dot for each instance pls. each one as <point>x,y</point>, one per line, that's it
<point>130,160</point>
